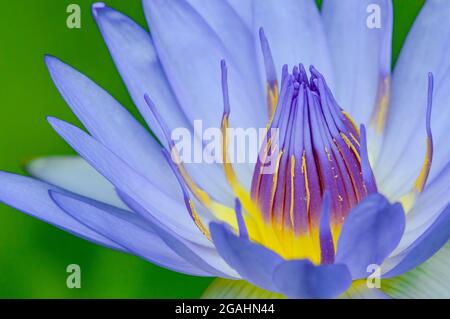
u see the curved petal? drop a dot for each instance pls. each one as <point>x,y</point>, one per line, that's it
<point>31,197</point>
<point>111,124</point>
<point>253,262</point>
<point>425,50</point>
<point>295,32</point>
<point>370,233</point>
<point>75,175</point>
<point>423,248</point>
<point>126,229</point>
<point>205,257</point>
<point>244,9</point>
<point>426,209</point>
<point>191,38</point>
<point>429,281</point>
<point>301,279</point>
<point>360,51</point>
<point>168,211</point>
<point>359,290</point>
<point>137,61</point>
<point>237,289</point>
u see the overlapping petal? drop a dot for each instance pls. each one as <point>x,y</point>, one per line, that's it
<point>169,211</point>
<point>129,230</point>
<point>74,174</point>
<point>360,46</point>
<point>118,131</point>
<point>429,280</point>
<point>296,35</point>
<point>403,151</point>
<point>134,54</point>
<point>191,38</point>
<point>370,233</point>
<point>32,197</point>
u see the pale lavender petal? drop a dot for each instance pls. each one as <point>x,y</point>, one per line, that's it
<point>423,248</point>
<point>426,209</point>
<point>253,262</point>
<point>206,258</point>
<point>111,124</point>
<point>191,38</point>
<point>170,212</point>
<point>303,280</point>
<point>428,281</point>
<point>295,32</point>
<point>137,61</point>
<point>360,51</point>
<point>31,197</point>
<point>370,233</point>
<point>74,174</point>
<point>425,50</point>
<point>127,229</point>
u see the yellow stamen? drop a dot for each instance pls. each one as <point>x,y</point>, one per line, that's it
<point>291,209</point>
<point>272,98</point>
<point>198,221</point>
<point>379,115</point>
<point>351,146</point>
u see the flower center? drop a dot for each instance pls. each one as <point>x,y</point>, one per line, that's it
<point>316,149</point>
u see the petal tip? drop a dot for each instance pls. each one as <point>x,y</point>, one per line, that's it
<point>97,7</point>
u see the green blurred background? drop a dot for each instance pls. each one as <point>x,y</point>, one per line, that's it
<point>34,255</point>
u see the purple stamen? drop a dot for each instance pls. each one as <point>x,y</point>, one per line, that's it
<point>269,65</point>
<point>243,233</point>
<point>326,238</point>
<point>319,149</point>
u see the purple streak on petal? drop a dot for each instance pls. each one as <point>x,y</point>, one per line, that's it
<point>326,238</point>
<point>253,262</point>
<point>302,279</point>
<point>370,233</point>
<point>436,236</point>
<point>369,178</point>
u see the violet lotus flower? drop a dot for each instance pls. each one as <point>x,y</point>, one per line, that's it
<point>362,180</point>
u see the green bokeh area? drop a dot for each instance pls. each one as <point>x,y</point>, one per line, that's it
<point>34,255</point>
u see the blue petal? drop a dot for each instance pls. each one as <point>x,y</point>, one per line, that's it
<point>72,173</point>
<point>301,279</point>
<point>253,262</point>
<point>191,37</point>
<point>370,233</point>
<point>125,178</point>
<point>137,61</point>
<point>423,248</point>
<point>206,258</point>
<point>112,125</point>
<point>426,209</point>
<point>31,197</point>
<point>295,32</point>
<point>428,281</point>
<point>126,229</point>
<point>425,50</point>
<point>244,9</point>
<point>361,55</point>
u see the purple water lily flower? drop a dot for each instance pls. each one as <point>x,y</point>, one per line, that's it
<point>352,140</point>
